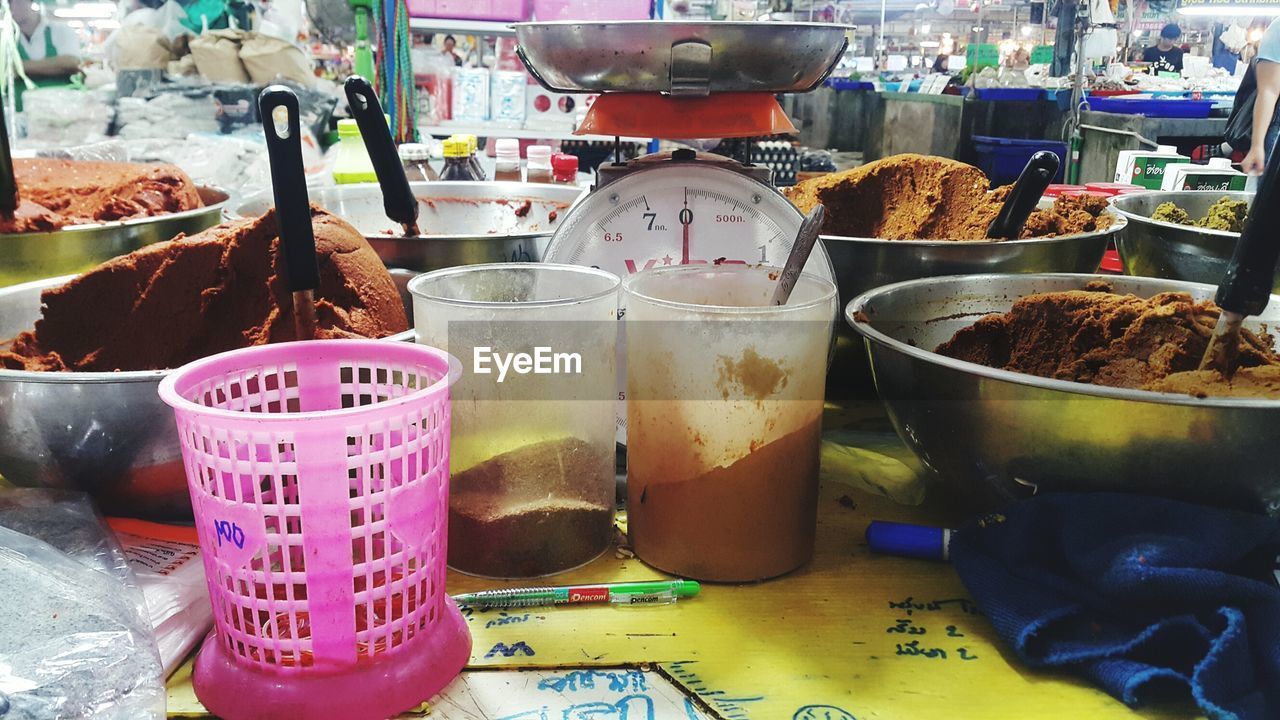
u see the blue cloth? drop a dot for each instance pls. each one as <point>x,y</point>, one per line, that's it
<point>1146,598</point>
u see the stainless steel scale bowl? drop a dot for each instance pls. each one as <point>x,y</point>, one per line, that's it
<point>464,223</point>
<point>28,256</point>
<point>995,435</point>
<point>678,57</point>
<point>1151,248</point>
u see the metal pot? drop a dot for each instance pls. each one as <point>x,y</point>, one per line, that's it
<point>106,433</point>
<point>996,435</point>
<point>862,264</point>
<point>27,256</point>
<point>1151,248</point>
<point>466,223</point>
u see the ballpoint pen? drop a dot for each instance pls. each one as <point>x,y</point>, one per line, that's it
<point>658,592</point>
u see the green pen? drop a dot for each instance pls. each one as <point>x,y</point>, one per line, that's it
<point>660,592</point>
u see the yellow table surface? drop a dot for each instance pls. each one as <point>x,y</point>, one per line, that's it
<point>830,641</point>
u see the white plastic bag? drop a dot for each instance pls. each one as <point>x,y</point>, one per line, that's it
<point>74,638</point>
<point>166,562</point>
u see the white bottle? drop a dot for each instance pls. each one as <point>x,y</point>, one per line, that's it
<point>538,170</point>
<point>507,155</point>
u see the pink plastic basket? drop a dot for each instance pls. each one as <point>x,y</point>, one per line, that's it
<point>318,474</point>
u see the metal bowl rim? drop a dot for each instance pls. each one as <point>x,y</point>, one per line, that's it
<point>95,227</point>
<point>856,306</point>
<point>235,213</point>
<point>1146,219</point>
<point>1120,222</point>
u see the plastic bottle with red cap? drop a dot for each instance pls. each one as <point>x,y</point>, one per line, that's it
<point>564,168</point>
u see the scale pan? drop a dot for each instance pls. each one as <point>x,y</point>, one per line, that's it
<point>680,58</point>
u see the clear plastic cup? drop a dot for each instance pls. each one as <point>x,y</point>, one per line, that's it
<point>532,468</point>
<point>724,418</point>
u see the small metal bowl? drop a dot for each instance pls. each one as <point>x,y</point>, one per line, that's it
<point>862,264</point>
<point>106,433</point>
<point>463,223</point>
<point>24,257</point>
<point>1151,248</point>
<point>995,435</point>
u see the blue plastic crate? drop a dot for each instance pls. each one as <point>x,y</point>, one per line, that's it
<point>1153,107</point>
<point>1003,159</point>
<point>849,84</point>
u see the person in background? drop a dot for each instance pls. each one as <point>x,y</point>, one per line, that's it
<point>1164,56</point>
<point>940,63</point>
<point>450,43</point>
<point>50,50</point>
<point>1265,127</point>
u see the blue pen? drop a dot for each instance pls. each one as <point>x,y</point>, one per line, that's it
<point>907,540</point>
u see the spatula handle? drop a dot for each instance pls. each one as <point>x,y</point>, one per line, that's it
<point>279,109</point>
<point>1026,192</point>
<point>1246,287</point>
<point>397,197</point>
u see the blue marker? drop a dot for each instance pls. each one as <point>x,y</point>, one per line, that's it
<point>907,540</point>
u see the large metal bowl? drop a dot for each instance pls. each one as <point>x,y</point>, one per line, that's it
<point>464,223</point>
<point>862,264</point>
<point>997,435</point>
<point>106,433</point>
<point>680,56</point>
<point>27,256</point>
<point>1151,248</point>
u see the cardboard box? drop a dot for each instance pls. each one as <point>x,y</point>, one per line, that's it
<point>1217,175</point>
<point>1146,167</point>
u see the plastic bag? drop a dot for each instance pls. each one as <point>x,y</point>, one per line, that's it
<point>74,638</point>
<point>270,59</point>
<point>166,562</point>
<point>64,116</point>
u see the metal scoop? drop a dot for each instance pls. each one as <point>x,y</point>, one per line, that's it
<point>810,228</point>
<point>1246,287</point>
<point>1022,199</point>
<point>279,109</point>
<point>398,200</point>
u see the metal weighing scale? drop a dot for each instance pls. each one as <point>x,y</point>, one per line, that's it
<point>676,80</point>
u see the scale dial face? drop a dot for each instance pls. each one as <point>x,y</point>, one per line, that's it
<point>679,213</point>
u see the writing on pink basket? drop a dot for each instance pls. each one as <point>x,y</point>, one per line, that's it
<point>229,531</point>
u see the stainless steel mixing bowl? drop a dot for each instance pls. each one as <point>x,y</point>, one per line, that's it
<point>1151,248</point>
<point>105,433</point>
<point>996,435</point>
<point>463,223</point>
<point>27,256</point>
<point>862,264</point>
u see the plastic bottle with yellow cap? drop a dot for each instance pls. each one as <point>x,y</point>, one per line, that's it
<point>473,146</point>
<point>457,165</point>
<point>352,164</point>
